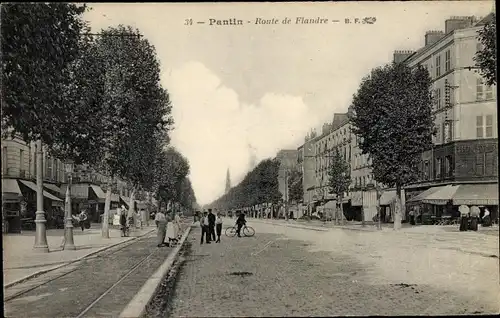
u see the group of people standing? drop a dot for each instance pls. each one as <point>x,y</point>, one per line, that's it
<point>169,226</point>
<point>210,225</point>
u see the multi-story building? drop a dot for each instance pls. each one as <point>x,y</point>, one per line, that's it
<point>306,163</point>
<point>19,186</point>
<point>288,162</point>
<point>19,182</point>
<point>465,150</point>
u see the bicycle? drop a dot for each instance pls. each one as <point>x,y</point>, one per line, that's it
<point>248,231</point>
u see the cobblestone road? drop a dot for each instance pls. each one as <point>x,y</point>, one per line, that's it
<point>69,295</point>
<point>289,272</point>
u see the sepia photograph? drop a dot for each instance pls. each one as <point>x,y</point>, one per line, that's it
<point>249,159</point>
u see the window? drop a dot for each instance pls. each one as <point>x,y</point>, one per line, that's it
<point>479,89</point>
<point>438,168</point>
<point>447,166</point>
<point>426,170</point>
<point>447,61</point>
<point>479,126</point>
<point>490,164</point>
<point>488,92</point>
<point>489,126</point>
<point>438,65</point>
<point>480,164</point>
<point>448,131</point>
<point>438,98</point>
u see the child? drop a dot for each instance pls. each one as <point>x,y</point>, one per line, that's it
<point>218,226</point>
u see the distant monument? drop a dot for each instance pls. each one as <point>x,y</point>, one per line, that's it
<point>228,181</point>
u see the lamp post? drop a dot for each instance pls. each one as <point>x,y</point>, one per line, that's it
<point>41,231</point>
<point>69,243</point>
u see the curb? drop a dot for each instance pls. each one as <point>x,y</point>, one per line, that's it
<point>43,271</point>
<point>137,306</point>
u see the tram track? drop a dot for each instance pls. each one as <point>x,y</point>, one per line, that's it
<point>73,267</point>
<point>126,268</point>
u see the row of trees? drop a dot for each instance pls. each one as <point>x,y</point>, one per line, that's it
<point>90,98</point>
<point>259,186</point>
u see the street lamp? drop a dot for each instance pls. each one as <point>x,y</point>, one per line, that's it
<point>69,243</point>
<point>41,230</point>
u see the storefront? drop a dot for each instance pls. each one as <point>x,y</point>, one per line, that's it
<point>11,206</point>
<point>52,205</point>
<point>444,202</point>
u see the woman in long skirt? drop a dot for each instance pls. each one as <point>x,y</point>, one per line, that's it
<point>161,224</point>
<point>171,231</point>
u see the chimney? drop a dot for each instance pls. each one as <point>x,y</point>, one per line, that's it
<point>432,37</point>
<point>457,23</point>
<point>400,56</point>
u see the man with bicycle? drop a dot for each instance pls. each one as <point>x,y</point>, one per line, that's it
<point>240,221</point>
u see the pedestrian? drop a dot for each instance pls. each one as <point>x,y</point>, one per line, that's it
<point>123,222</point>
<point>161,224</point>
<point>211,224</point>
<point>486,218</point>
<point>464,217</point>
<point>173,229</point>
<point>474,217</point>
<point>204,228</point>
<point>240,221</point>
<point>218,226</point>
<point>412,216</point>
<point>82,218</point>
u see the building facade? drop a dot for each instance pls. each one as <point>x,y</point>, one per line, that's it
<point>465,150</point>
<point>19,187</point>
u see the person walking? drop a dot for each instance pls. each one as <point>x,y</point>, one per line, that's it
<point>464,217</point>
<point>123,222</point>
<point>211,224</point>
<point>172,229</point>
<point>474,217</point>
<point>83,218</point>
<point>412,216</point>
<point>218,226</point>
<point>204,228</point>
<point>161,224</point>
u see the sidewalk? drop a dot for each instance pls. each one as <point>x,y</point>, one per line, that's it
<point>20,261</point>
<point>386,227</point>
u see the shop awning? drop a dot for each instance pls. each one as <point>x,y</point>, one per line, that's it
<point>424,194</point>
<point>10,191</point>
<point>78,191</point>
<point>52,187</point>
<point>101,196</point>
<point>32,186</point>
<point>476,194</point>
<point>442,195</point>
<point>10,186</point>
<point>388,197</point>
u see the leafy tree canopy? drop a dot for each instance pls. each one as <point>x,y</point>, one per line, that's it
<point>486,58</point>
<point>392,118</point>
<point>295,188</point>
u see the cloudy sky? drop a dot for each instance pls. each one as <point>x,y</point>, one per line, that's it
<point>250,90</point>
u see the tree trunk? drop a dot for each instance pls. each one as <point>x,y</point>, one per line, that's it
<point>399,209</point>
<point>337,213</point>
<point>105,217</point>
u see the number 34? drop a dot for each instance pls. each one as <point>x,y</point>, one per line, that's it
<point>188,22</point>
